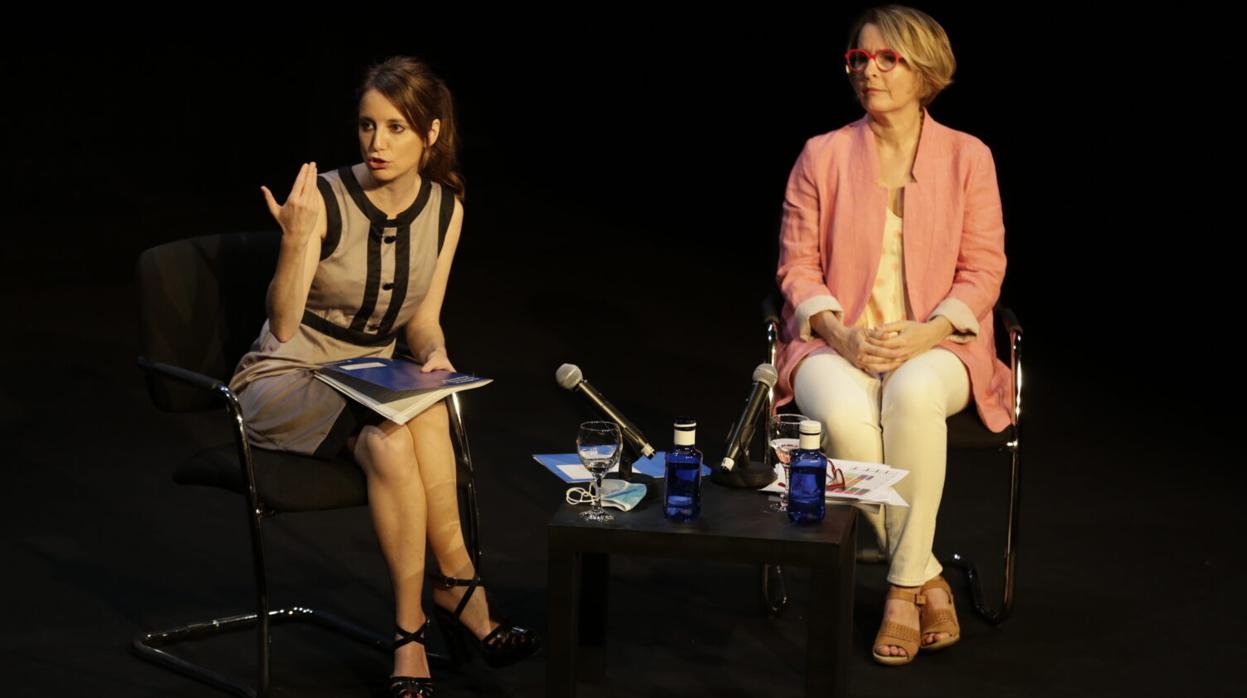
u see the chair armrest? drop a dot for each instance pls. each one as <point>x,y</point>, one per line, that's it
<point>1009,322</point>
<point>182,375</point>
<point>771,306</point>
<point>1008,319</point>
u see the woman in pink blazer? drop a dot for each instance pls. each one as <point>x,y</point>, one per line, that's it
<point>891,259</point>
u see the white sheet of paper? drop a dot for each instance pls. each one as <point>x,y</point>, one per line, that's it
<point>870,482</point>
<point>891,496</point>
<point>579,472</point>
<point>885,495</point>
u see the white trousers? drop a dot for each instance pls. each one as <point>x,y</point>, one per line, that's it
<point>897,420</point>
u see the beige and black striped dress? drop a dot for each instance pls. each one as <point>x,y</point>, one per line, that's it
<point>373,273</point>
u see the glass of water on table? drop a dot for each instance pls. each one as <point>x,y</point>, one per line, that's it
<point>598,444</point>
<point>783,433</point>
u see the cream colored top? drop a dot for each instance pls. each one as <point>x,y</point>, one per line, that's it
<point>887,298</point>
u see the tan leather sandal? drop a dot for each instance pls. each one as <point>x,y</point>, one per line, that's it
<point>897,635</point>
<point>939,620</point>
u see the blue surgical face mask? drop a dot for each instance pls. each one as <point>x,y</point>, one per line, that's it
<point>616,493</point>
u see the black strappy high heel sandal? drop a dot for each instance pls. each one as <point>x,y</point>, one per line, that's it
<point>410,686</point>
<point>507,644</point>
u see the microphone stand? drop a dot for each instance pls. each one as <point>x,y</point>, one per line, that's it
<point>626,459</point>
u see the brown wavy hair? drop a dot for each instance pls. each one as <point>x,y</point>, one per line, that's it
<point>422,97</point>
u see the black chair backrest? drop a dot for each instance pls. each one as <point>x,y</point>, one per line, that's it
<point>201,306</point>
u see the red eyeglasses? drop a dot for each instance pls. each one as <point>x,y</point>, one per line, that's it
<point>856,59</point>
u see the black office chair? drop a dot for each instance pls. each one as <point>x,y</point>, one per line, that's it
<point>202,303</point>
<point>965,433</point>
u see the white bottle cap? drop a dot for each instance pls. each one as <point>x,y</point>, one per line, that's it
<point>811,435</point>
<point>685,431</point>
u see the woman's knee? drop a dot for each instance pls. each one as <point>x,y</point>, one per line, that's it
<point>850,426</point>
<point>836,393</point>
<point>848,430</point>
<point>386,453</point>
<point>914,392</point>
<point>842,419</point>
<point>850,434</point>
<point>435,419</point>
<point>912,401</point>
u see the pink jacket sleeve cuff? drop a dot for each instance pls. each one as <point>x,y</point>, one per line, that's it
<point>813,306</point>
<point>965,325</point>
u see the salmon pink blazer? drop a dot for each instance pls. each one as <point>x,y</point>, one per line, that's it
<point>953,235</point>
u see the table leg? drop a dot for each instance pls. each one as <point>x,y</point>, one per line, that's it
<point>562,641</point>
<point>830,629</point>
<point>594,591</point>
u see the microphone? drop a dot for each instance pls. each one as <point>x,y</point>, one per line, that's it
<point>764,378</point>
<point>570,377</point>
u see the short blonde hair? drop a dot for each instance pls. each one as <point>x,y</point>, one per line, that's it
<point>920,40</point>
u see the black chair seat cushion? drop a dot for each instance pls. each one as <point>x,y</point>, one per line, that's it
<point>285,482</point>
<point>966,431</point>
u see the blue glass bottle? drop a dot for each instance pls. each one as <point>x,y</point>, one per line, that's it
<point>682,501</point>
<point>807,483</point>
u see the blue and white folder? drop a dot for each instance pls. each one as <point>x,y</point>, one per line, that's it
<point>395,389</point>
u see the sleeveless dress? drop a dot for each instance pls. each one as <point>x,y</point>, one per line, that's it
<point>373,273</point>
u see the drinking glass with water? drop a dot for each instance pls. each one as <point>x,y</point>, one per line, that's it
<point>598,444</point>
<point>783,437</point>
